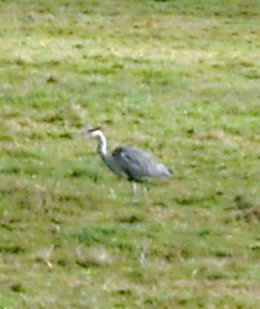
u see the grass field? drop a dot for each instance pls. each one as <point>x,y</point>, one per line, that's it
<point>179,79</point>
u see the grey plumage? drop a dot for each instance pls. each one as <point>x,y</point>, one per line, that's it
<point>128,162</point>
<point>138,165</point>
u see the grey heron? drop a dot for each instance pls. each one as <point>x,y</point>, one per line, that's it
<point>128,162</point>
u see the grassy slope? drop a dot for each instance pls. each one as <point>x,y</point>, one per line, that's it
<point>178,78</point>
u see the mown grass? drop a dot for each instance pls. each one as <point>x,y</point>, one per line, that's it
<point>177,78</point>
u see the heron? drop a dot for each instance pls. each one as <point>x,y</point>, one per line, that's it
<point>128,162</point>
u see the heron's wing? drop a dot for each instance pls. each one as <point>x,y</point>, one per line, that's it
<point>137,164</point>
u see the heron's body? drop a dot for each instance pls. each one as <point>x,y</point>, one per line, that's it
<point>129,162</point>
<point>138,165</point>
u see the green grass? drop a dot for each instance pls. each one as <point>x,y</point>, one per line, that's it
<point>179,79</point>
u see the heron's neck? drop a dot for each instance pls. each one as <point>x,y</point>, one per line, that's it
<point>102,144</point>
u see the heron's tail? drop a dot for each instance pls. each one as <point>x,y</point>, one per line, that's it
<point>164,171</point>
<point>170,172</point>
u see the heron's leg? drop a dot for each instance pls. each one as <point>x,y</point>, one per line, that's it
<point>134,188</point>
<point>134,191</point>
<point>145,190</point>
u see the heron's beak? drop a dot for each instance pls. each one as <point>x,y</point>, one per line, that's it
<point>94,129</point>
<point>88,130</point>
<point>85,132</point>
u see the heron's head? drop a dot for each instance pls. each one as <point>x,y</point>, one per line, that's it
<point>97,134</point>
<point>92,132</point>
